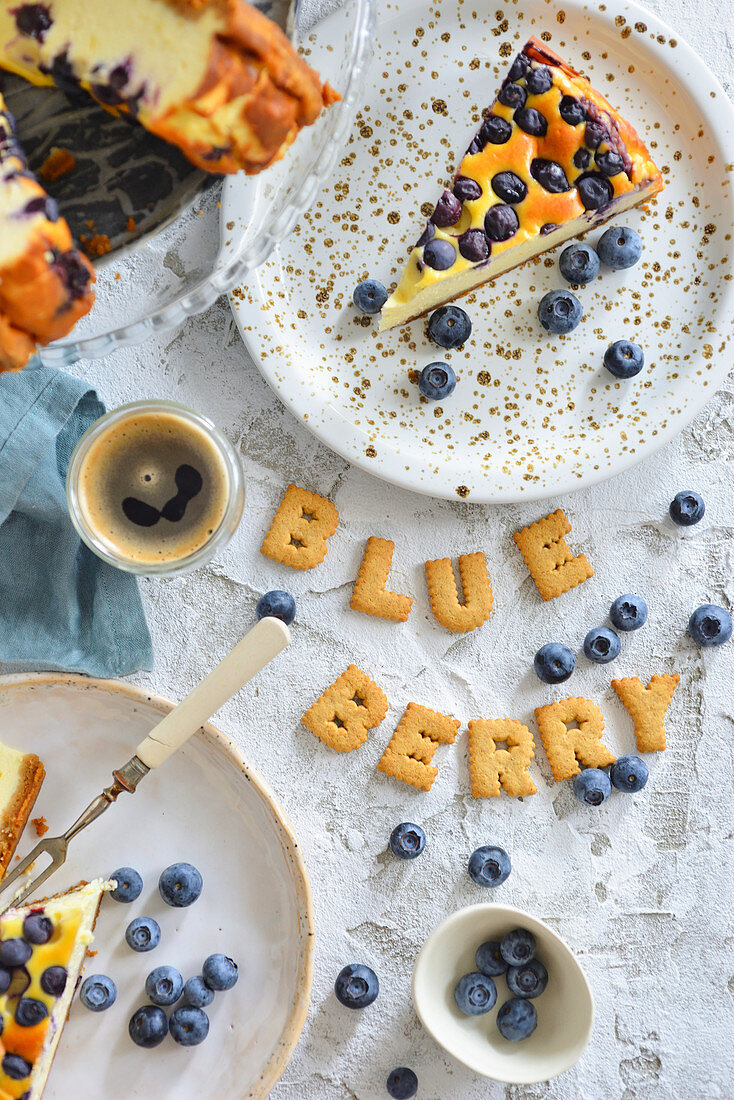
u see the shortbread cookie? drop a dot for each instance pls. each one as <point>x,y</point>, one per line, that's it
<point>409,754</point>
<point>370,594</point>
<point>580,743</point>
<point>348,708</point>
<point>647,706</point>
<point>490,766</point>
<point>477,604</point>
<point>552,565</point>
<point>300,528</point>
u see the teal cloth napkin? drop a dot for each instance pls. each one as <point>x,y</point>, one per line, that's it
<point>61,607</point>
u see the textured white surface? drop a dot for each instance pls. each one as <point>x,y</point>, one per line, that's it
<point>640,888</point>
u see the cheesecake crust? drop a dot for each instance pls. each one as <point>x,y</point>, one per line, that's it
<point>15,814</point>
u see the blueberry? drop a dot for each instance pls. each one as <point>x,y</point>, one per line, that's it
<point>180,885</point>
<point>610,163</point>
<point>559,312</point>
<point>197,993</point>
<point>601,645</point>
<point>509,187</point>
<point>43,204</point>
<point>629,774</point>
<point>579,263</point>
<point>512,95</point>
<point>554,663</point>
<point>531,121</point>
<point>489,959</point>
<point>572,110</point>
<point>538,80</point>
<point>548,227</point>
<point>687,508</point>
<point>189,1026</point>
<point>219,972</point>
<point>710,625</point>
<point>278,605</point>
<point>449,327</point>
<point>527,980</point>
<point>369,296</point>
<point>489,866</point>
<point>466,190</point>
<point>595,133</point>
<point>594,191</point>
<point>148,1026</point>
<point>72,271</point>
<point>29,1012</point>
<point>549,175</point>
<point>53,980</point>
<point>163,986</point>
<point>33,20</point>
<point>356,986</point>
<point>402,1083</point>
<point>37,928</point>
<point>519,67</point>
<point>619,247</point>
<point>98,992</point>
<point>474,246</point>
<point>592,786</point>
<point>143,934</point>
<point>439,254</point>
<point>16,1067</point>
<point>628,613</point>
<point>407,840</point>
<point>501,222</point>
<point>15,952</point>
<point>447,211</point>
<point>437,381</point>
<point>517,1019</point>
<point>129,885</point>
<point>475,994</point>
<point>6,977</point>
<point>624,359</point>
<point>518,947</point>
<point>582,159</point>
<point>427,235</point>
<point>494,131</point>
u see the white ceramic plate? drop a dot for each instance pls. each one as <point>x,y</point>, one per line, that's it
<point>205,806</point>
<point>532,415</point>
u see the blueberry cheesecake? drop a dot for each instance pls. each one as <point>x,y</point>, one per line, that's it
<point>551,159</point>
<point>21,776</point>
<point>216,78</point>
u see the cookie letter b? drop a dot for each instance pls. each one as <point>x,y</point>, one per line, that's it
<point>647,706</point>
<point>490,766</point>
<point>477,603</point>
<point>409,754</point>
<point>343,714</point>
<point>571,731</point>
<point>300,528</point>
<point>370,594</point>
<point>552,565</point>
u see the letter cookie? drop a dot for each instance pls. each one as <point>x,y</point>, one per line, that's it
<point>442,590</point>
<point>300,528</point>
<point>552,565</point>
<point>490,766</point>
<point>647,706</point>
<point>370,594</point>
<point>409,754</point>
<point>348,708</point>
<point>564,747</point>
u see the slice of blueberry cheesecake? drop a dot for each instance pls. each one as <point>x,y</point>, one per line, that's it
<point>551,159</point>
<point>216,78</point>
<point>45,283</point>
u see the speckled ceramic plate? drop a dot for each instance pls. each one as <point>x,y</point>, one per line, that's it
<point>532,415</point>
<point>207,806</point>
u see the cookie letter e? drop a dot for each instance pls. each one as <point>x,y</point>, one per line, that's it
<point>490,765</point>
<point>647,706</point>
<point>477,603</point>
<point>565,745</point>
<point>552,565</point>
<point>300,528</point>
<point>370,594</point>
<point>409,754</point>
<point>348,708</point>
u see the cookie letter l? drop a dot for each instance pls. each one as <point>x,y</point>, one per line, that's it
<point>647,706</point>
<point>409,754</point>
<point>300,528</point>
<point>348,708</point>
<point>571,731</point>
<point>552,565</point>
<point>478,599</point>
<point>490,766</point>
<point>370,594</point>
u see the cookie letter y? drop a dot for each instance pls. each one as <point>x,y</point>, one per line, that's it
<point>490,766</point>
<point>348,708</point>
<point>477,604</point>
<point>409,754</point>
<point>571,731</point>
<point>647,706</point>
<point>300,528</point>
<point>552,565</point>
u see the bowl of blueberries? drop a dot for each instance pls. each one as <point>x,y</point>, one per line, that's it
<point>501,992</point>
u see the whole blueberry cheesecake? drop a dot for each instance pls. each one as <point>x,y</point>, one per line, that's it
<point>216,78</point>
<point>551,159</point>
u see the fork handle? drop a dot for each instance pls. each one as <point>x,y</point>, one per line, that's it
<point>258,647</point>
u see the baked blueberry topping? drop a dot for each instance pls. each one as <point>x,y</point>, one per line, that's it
<point>610,163</point>
<point>539,80</point>
<point>33,20</point>
<point>37,928</point>
<point>512,95</point>
<point>53,980</point>
<point>16,1067</point>
<point>519,67</point>
<point>501,222</point>
<point>466,189</point>
<point>439,254</point>
<point>572,110</point>
<point>509,187</point>
<point>64,77</point>
<point>595,133</point>
<point>531,121</point>
<point>495,131</point>
<point>5,976</point>
<point>72,271</point>
<point>474,246</point>
<point>30,1012</point>
<point>447,211</point>
<point>427,235</point>
<point>19,981</point>
<point>582,159</point>
<point>594,190</point>
<point>15,952</point>
<point>549,175</point>
<point>548,228</point>
<point>43,204</point>
<point>110,92</point>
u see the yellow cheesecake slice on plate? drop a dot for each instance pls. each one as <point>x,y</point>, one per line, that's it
<point>551,160</point>
<point>21,776</point>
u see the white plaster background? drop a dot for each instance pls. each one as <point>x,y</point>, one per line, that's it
<point>641,888</point>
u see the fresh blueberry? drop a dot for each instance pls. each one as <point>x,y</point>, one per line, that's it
<point>180,885</point>
<point>710,625</point>
<point>549,175</point>
<point>15,952</point>
<point>163,986</point>
<point>559,312</point>
<point>37,928</point>
<point>369,296</point>
<point>579,263</point>
<point>624,359</point>
<point>439,254</point>
<point>629,774</point>
<point>148,1026</point>
<point>501,222</point>
<point>402,1083</point>
<point>474,246</point>
<point>98,992</point>
<point>197,993</point>
<point>518,947</point>
<point>437,381</point>
<point>619,247</point>
<point>219,972</point>
<point>356,986</point>
<point>53,980</point>
<point>531,121</point>
<point>489,959</point>
<point>517,1019</point>
<point>601,645</point>
<point>554,663</point>
<point>527,980</point>
<point>594,189</point>
<point>449,327</point>
<point>572,110</point>
<point>447,211</point>
<point>29,1012</point>
<point>687,508</point>
<point>189,1026</point>
<point>143,934</point>
<point>15,1067</point>
<point>407,840</point>
<point>592,786</point>
<point>475,994</point>
<point>129,885</point>
<point>628,613</point>
<point>538,80</point>
<point>466,189</point>
<point>489,866</point>
<point>509,187</point>
<point>277,605</point>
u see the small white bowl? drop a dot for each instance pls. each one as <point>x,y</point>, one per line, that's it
<point>565,1008</point>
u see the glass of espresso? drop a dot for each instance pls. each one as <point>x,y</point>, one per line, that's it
<point>155,488</point>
